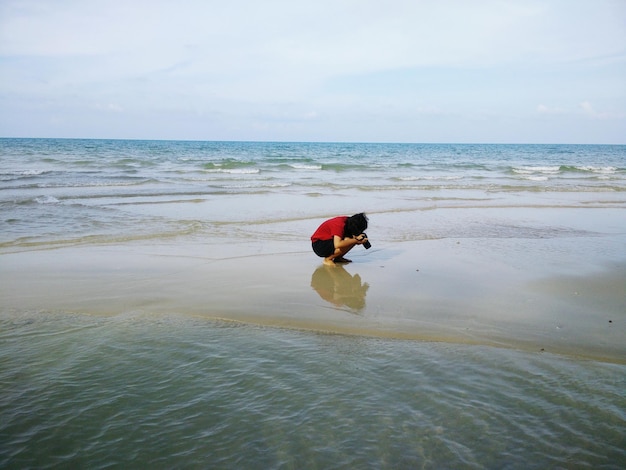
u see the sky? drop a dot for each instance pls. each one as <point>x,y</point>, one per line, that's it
<point>450,71</point>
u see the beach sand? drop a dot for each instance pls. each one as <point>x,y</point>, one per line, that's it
<point>474,291</point>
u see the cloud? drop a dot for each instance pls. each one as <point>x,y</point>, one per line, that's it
<point>592,113</point>
<point>320,37</point>
<point>306,61</point>
<point>589,111</point>
<point>112,107</point>
<point>543,109</point>
<point>585,109</point>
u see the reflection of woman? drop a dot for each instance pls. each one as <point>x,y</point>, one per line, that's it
<point>337,286</point>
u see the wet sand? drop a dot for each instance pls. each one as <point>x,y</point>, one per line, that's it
<point>469,291</point>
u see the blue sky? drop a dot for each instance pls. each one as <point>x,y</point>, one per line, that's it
<point>512,71</point>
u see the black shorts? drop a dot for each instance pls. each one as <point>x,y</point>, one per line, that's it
<point>324,248</point>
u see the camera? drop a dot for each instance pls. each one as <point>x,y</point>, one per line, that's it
<point>367,244</point>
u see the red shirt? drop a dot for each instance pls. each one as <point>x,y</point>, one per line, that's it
<point>330,228</point>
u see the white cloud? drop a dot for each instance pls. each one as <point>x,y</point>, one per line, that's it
<point>112,107</point>
<point>588,109</point>
<point>279,58</point>
<point>543,109</point>
<point>335,36</point>
<point>591,112</point>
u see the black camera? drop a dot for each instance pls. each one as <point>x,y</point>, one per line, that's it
<point>367,244</point>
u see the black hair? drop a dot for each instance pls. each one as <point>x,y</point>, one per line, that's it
<point>355,225</point>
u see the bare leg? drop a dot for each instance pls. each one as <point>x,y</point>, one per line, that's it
<point>337,256</point>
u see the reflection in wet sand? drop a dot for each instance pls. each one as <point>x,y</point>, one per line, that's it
<point>337,286</point>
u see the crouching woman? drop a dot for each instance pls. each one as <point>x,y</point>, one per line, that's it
<point>337,236</point>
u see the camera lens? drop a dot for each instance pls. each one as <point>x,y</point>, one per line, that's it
<point>366,244</point>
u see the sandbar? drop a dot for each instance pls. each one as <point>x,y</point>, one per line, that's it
<point>461,291</point>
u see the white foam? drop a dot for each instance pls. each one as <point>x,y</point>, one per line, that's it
<point>527,170</point>
<point>430,178</point>
<point>23,173</point>
<point>598,169</point>
<point>235,171</point>
<point>47,200</point>
<point>302,166</point>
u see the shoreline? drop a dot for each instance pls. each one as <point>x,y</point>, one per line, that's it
<point>436,290</point>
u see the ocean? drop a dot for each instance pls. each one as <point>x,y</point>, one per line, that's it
<point>195,328</point>
<point>68,192</point>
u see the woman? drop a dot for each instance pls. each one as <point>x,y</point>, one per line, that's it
<point>336,236</point>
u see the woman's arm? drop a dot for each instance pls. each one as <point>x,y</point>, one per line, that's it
<point>348,241</point>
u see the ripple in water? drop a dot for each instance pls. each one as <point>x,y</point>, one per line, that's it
<point>88,392</point>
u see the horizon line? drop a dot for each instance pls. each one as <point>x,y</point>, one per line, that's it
<point>138,139</point>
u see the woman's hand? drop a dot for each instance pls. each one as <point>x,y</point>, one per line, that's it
<point>361,239</point>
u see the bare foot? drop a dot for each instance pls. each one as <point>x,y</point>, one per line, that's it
<point>329,262</point>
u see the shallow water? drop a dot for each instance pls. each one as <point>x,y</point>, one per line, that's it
<point>172,391</point>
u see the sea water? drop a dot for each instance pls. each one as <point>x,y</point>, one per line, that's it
<point>164,389</point>
<point>175,392</point>
<point>68,192</point>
